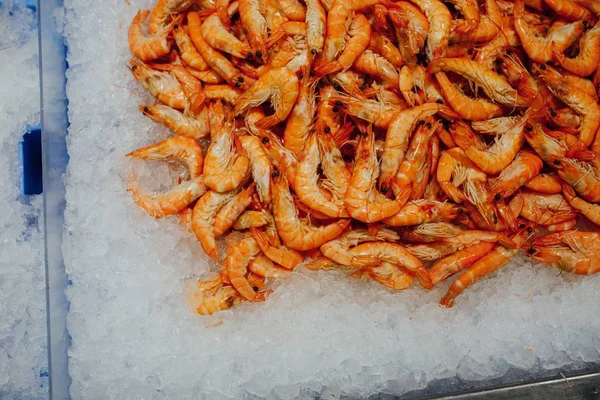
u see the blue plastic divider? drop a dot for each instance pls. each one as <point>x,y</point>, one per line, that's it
<point>32,4</point>
<point>30,157</point>
<point>53,65</point>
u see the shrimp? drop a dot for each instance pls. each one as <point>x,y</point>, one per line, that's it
<point>328,117</point>
<point>239,256</point>
<point>539,49</point>
<point>440,22</point>
<point>340,249</point>
<point>359,35</point>
<point>147,48</point>
<point>414,77</point>
<point>264,267</point>
<point>570,10</point>
<point>195,127</point>
<point>493,84</point>
<point>458,261</point>
<point>224,298</point>
<point>350,82</point>
<point>586,62</point>
<point>361,198</point>
<point>470,13</point>
<point>222,92</point>
<point>162,85</point>
<point>252,219</point>
<point>486,265</point>
<point>281,157</point>
<point>324,263</point>
<point>300,121</point>
<point>422,211</point>
<point>203,219</point>
<point>279,254</point>
<point>375,65</point>
<point>589,210</point>
<point>224,167</point>
<point>293,9</point>
<point>316,19</point>
<point>334,168</point>
<point>217,62</point>
<point>163,10</point>
<point>390,275</point>
<point>544,209</point>
<point>372,111</point>
<point>255,26</point>
<point>261,166</point>
<point>525,167</point>
<point>397,138</point>
<point>384,46</point>
<point>486,29</point>
<point>498,156</point>
<point>518,76</point>
<point>218,37</point>
<point>575,252</point>
<point>545,183</point>
<point>411,27</point>
<point>582,103</point>
<point>305,183</point>
<point>183,149</point>
<point>463,105</point>
<point>488,53</point>
<point>294,233</point>
<point>373,253</point>
<point>416,155</point>
<point>544,145</point>
<point>229,213</point>
<point>207,76</point>
<point>189,53</point>
<point>581,176</point>
<point>279,84</point>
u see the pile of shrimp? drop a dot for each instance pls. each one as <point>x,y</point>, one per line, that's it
<point>392,140</point>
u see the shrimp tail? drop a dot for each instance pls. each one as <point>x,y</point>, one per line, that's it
<point>507,242</point>
<point>424,278</point>
<point>267,122</point>
<point>328,68</point>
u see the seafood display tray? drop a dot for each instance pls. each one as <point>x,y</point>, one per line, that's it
<point>576,382</point>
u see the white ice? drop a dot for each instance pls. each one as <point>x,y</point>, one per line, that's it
<point>135,337</point>
<point>23,356</point>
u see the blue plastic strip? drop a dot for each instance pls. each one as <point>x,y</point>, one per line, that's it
<point>30,155</point>
<point>31,4</point>
<point>55,158</point>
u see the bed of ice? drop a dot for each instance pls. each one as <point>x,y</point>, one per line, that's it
<point>23,357</point>
<point>133,336</point>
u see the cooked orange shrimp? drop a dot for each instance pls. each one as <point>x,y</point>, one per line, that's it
<point>279,84</point>
<point>463,105</point>
<point>448,165</point>
<point>328,117</point>
<point>544,209</point>
<point>569,9</point>
<point>222,92</point>
<point>411,27</point>
<point>377,66</point>
<point>493,84</point>
<point>458,261</point>
<point>361,198</point>
<point>190,86</point>
<point>578,100</point>
<point>279,253</point>
<point>274,15</point>
<point>339,249</point>
<point>289,28</point>
<point>264,267</point>
<point>440,22</point>
<point>261,166</point>
<point>470,12</point>
<point>239,256</point>
<point>203,219</point>
<point>293,9</point>
<point>538,48</point>
<point>222,299</point>
<point>189,53</point>
<point>589,210</point>
<point>487,53</point>
<point>575,252</point>
<point>282,158</point>
<point>372,111</point>
<point>350,82</point>
<point>565,119</point>
<point>151,47</point>
<point>252,219</point>
<point>163,10</point>
<point>316,19</point>
<point>295,233</point>
<point>218,37</point>
<point>390,275</point>
<point>415,76</point>
<point>582,176</point>
<point>545,183</point>
<point>359,37</point>
<point>255,25</point>
<point>207,76</point>
<point>384,46</point>
<point>217,62</point>
<point>229,213</point>
<point>561,227</point>
<point>486,29</point>
<point>422,211</point>
<point>586,62</point>
<point>373,253</point>
<point>518,76</point>
<point>495,158</point>
<point>490,263</point>
<point>171,202</point>
<point>183,149</point>
<point>300,121</point>
<point>162,85</point>
<point>521,171</point>
<point>324,263</point>
<point>184,125</point>
<point>397,138</point>
<point>225,168</point>
<point>334,168</point>
<point>416,154</point>
<point>544,145</point>
<point>305,182</point>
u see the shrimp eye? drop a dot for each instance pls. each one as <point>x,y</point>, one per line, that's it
<point>384,190</point>
<point>312,73</point>
<point>240,79</point>
<point>337,86</point>
<point>528,128</point>
<point>556,162</point>
<point>237,84</point>
<point>327,129</point>
<point>255,288</point>
<point>585,24</point>
<point>421,122</point>
<point>470,51</point>
<point>531,250</point>
<point>498,61</point>
<point>499,70</point>
<point>313,51</point>
<point>258,54</point>
<point>415,89</point>
<point>552,112</point>
<point>497,197</point>
<point>529,230</point>
<point>521,226</point>
<point>146,109</point>
<point>301,75</point>
<point>335,109</point>
<point>134,67</point>
<point>460,211</point>
<point>176,26</point>
<point>494,219</point>
<point>428,125</point>
<point>439,101</point>
<point>339,103</point>
<point>249,57</point>
<point>543,67</point>
<point>275,174</point>
<point>265,140</point>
